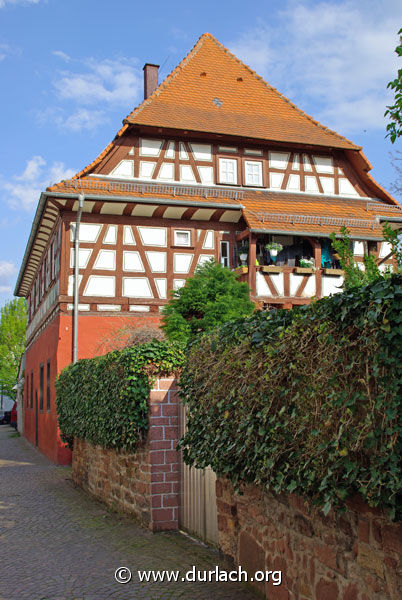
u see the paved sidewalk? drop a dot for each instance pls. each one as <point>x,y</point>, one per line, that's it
<point>57,543</point>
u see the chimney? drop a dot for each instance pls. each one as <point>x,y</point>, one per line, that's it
<point>150,79</point>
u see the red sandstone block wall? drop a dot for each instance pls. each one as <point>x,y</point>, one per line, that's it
<point>355,555</point>
<point>146,483</point>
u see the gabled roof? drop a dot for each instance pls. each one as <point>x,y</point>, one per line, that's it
<point>213,91</point>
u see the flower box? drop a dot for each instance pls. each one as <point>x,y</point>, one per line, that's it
<point>334,272</point>
<point>271,269</point>
<point>240,270</point>
<point>304,270</point>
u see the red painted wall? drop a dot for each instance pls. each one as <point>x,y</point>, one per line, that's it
<point>96,334</point>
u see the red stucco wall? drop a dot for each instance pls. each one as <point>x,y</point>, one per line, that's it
<point>95,335</point>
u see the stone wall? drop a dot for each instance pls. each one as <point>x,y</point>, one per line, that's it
<point>355,555</point>
<point>145,483</point>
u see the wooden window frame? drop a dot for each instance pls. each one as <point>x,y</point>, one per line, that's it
<point>41,383</point>
<point>48,386</point>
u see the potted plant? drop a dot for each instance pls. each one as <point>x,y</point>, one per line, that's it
<point>243,253</point>
<point>306,265</point>
<point>273,248</point>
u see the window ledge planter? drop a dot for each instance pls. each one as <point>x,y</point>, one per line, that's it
<point>271,269</point>
<point>240,270</point>
<point>304,270</point>
<point>335,272</point>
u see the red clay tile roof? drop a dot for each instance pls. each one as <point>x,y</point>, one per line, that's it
<point>250,106</point>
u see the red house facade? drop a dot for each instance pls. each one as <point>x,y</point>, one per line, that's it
<point>215,163</point>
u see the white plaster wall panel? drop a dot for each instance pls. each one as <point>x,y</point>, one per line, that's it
<point>166,172</point>
<point>182,262</point>
<point>161,286</point>
<point>209,241</point>
<point>106,259</point>
<point>385,249</point>
<point>358,248</point>
<point>83,307</point>
<point>157,261</point>
<point>132,261</point>
<point>88,232</point>
<point>109,307</point>
<point>174,212</point>
<point>147,169</point>
<point>182,152</point>
<point>113,208</point>
<point>278,281</point>
<point>293,182</point>
<point>132,152</point>
<point>178,283</point>
<point>138,308</point>
<point>128,235</point>
<point>88,206</point>
<point>230,216</point>
<point>201,151</point>
<point>137,287</point>
<point>187,174</point>
<point>170,150</point>
<point>203,214</point>
<point>111,235</point>
<point>360,265</point>
<point>276,180</point>
<point>328,185</point>
<point>346,188</point>
<point>70,286</point>
<point>83,257</point>
<point>100,285</point>
<point>124,169</point>
<point>311,184</point>
<point>295,280</point>
<point>340,172</point>
<point>307,163</point>
<point>150,147</point>
<point>261,285</point>
<point>323,164</point>
<point>296,162</point>
<point>385,268</point>
<point>310,289</point>
<point>204,258</point>
<point>153,236</point>
<point>206,175</point>
<point>278,160</point>
<point>144,210</point>
<point>331,285</point>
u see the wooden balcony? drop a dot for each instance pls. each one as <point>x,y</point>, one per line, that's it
<point>288,286</point>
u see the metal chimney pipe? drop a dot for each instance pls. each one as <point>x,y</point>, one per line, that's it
<point>150,79</point>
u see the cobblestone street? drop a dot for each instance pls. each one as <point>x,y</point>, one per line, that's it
<point>57,543</point>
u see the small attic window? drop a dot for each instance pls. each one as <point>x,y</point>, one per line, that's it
<point>240,79</point>
<point>217,102</point>
<point>203,74</point>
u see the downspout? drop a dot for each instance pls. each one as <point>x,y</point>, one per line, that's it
<point>76,274</point>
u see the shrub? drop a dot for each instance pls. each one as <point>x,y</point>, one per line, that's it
<point>105,399</point>
<point>306,400</point>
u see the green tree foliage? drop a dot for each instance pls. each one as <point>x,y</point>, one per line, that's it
<point>13,323</point>
<point>354,276</point>
<point>209,299</point>
<point>394,112</point>
<point>105,399</point>
<point>305,400</point>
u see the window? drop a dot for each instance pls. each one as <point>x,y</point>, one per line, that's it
<point>228,170</point>
<point>225,254</point>
<point>41,373</point>
<point>48,386</point>
<point>182,238</point>
<point>31,390</point>
<point>253,171</point>
<point>27,391</point>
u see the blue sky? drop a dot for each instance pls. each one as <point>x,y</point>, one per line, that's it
<point>70,71</point>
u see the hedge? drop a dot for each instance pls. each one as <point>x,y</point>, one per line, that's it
<point>306,400</point>
<point>105,399</point>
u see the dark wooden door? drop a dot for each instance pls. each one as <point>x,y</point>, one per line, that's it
<point>36,418</point>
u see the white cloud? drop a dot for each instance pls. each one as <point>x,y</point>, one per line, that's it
<point>62,55</point>
<point>4,2</point>
<point>113,81</point>
<point>7,272</point>
<point>23,191</point>
<point>83,118</point>
<point>332,59</point>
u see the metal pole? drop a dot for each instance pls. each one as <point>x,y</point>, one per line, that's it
<point>76,274</point>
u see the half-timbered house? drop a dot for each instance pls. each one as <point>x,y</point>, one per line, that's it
<point>215,163</point>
